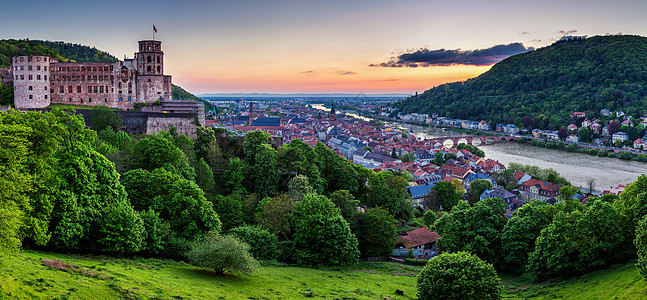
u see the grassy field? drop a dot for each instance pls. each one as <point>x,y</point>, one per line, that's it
<point>620,281</point>
<point>73,106</point>
<point>40,275</point>
<point>26,276</point>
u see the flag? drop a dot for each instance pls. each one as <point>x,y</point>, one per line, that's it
<point>154,29</point>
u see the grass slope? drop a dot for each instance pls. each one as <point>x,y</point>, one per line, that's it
<point>621,281</point>
<point>24,276</point>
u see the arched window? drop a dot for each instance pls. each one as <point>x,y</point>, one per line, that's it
<point>159,60</point>
<point>149,59</point>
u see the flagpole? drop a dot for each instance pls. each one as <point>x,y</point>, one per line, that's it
<point>153,32</point>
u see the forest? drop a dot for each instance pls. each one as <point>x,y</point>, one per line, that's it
<point>548,84</point>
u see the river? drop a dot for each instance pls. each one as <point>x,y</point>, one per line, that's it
<point>577,168</point>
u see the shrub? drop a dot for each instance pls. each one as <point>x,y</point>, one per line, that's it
<point>458,275</point>
<point>222,253</point>
<point>641,246</point>
<point>430,217</point>
<point>264,245</point>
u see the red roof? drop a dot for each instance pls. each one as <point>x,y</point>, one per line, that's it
<point>542,185</point>
<point>519,175</point>
<point>419,237</point>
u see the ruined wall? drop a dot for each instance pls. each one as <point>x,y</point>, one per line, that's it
<point>31,81</point>
<point>184,123</point>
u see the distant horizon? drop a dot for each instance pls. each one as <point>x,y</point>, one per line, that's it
<point>288,95</point>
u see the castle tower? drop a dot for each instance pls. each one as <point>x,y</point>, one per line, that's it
<point>31,81</point>
<point>152,84</point>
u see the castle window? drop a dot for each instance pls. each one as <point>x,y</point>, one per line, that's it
<point>159,69</point>
<point>59,99</point>
<point>37,58</point>
<point>30,88</point>
<point>148,59</point>
<point>78,89</point>
<point>37,68</point>
<point>45,97</point>
<point>82,69</point>
<point>89,89</point>
<point>44,77</point>
<point>31,96</point>
<point>29,59</point>
<point>21,59</point>
<point>37,77</point>
<point>45,88</point>
<point>89,99</point>
<point>121,99</point>
<point>62,89</point>
<point>95,88</point>
<point>31,77</point>
<point>148,69</point>
<point>69,89</point>
<point>16,77</point>
<point>101,89</point>
<point>120,85</point>
<point>45,67</point>
<point>159,60</point>
<point>22,77</point>
<point>29,68</point>
<point>129,99</point>
<point>45,60</point>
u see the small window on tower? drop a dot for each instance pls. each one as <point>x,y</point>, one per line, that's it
<point>31,96</point>
<point>30,88</point>
<point>148,69</point>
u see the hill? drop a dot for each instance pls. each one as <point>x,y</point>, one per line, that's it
<point>32,274</point>
<point>548,84</point>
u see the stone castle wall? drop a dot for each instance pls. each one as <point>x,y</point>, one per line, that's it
<point>31,81</point>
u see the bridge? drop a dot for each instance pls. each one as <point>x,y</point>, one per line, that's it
<point>450,142</point>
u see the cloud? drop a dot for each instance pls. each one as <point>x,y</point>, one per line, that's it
<point>567,32</point>
<point>346,73</point>
<point>442,57</point>
<point>307,71</point>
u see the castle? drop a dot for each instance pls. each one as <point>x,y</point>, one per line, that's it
<point>40,80</point>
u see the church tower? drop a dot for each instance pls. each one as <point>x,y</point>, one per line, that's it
<point>152,84</point>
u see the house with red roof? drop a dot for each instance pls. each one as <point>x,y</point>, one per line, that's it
<point>421,241</point>
<point>539,190</point>
<point>521,177</point>
<point>492,166</point>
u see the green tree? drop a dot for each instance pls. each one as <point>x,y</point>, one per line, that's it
<point>447,194</point>
<point>298,157</point>
<point>229,210</point>
<point>274,215</point>
<point>337,173</point>
<point>475,229</point>
<point>322,236</point>
<point>222,253</point>
<point>206,147</point>
<point>298,187</point>
<point>388,190</point>
<point>234,177</point>
<point>458,275</point>
<point>346,203</point>
<point>121,229</point>
<point>158,151</point>
<point>477,187</point>
<point>103,117</point>
<point>152,239</point>
<point>521,231</point>
<point>641,245</point>
<point>376,233</point>
<point>264,172</point>
<point>584,134</point>
<point>429,218</point>
<point>264,245</point>
<point>204,178</point>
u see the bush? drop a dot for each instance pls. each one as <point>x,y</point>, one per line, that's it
<point>264,245</point>
<point>641,246</point>
<point>430,217</point>
<point>458,275</point>
<point>415,262</point>
<point>222,253</point>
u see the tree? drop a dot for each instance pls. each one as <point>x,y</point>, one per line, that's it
<point>229,209</point>
<point>102,117</point>
<point>299,158</point>
<point>584,134</point>
<point>458,275</point>
<point>204,178</point>
<point>388,190</point>
<point>376,233</point>
<point>121,229</point>
<point>613,127</point>
<point>274,215</point>
<point>562,133</point>
<point>222,253</point>
<point>477,187</point>
<point>298,187</point>
<point>527,122</point>
<point>429,218</point>
<point>346,203</point>
<point>641,245</point>
<point>234,177</point>
<point>475,229</point>
<point>263,244</point>
<point>408,157</point>
<point>322,236</point>
<point>264,172</point>
<point>206,147</point>
<point>152,239</point>
<point>447,195</point>
<point>521,231</point>
<point>158,151</point>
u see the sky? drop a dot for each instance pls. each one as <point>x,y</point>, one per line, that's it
<point>328,46</point>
